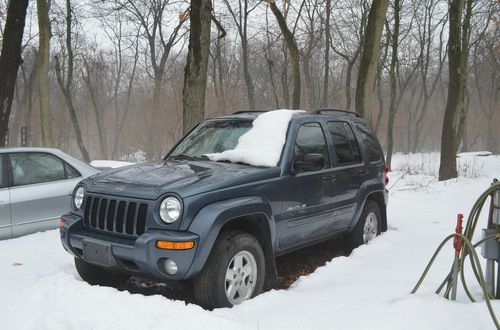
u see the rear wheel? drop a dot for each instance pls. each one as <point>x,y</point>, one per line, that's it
<point>368,227</point>
<point>233,273</point>
<point>96,275</point>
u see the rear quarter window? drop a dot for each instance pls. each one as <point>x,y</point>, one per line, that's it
<point>370,141</point>
<point>346,147</point>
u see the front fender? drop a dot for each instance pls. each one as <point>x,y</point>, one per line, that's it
<point>209,221</point>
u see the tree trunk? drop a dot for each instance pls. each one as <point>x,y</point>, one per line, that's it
<point>98,111</point>
<point>458,50</point>
<point>195,72</point>
<point>392,77</point>
<point>308,79</point>
<point>328,37</point>
<point>43,71</point>
<point>127,104</point>
<point>72,112</point>
<point>247,76</point>
<point>292,49</point>
<point>10,60</point>
<point>380,96</point>
<point>370,57</point>
<point>348,79</point>
<point>66,87</point>
<point>29,96</point>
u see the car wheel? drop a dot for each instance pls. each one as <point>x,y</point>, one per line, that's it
<point>368,227</point>
<point>96,275</point>
<point>233,273</point>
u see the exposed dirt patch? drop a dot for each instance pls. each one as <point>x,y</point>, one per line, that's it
<point>290,267</point>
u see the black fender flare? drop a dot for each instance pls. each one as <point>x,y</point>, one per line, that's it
<point>209,221</point>
<point>368,188</point>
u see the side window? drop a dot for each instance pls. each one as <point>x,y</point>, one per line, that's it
<point>370,140</point>
<point>71,172</point>
<point>311,140</point>
<point>346,147</point>
<point>2,173</point>
<point>31,168</point>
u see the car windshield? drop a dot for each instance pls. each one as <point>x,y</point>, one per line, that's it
<point>211,137</point>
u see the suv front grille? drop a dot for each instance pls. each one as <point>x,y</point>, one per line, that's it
<point>115,216</point>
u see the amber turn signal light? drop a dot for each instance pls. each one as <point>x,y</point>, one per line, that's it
<point>169,245</point>
<point>61,223</point>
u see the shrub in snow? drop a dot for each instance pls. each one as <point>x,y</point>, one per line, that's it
<point>263,143</point>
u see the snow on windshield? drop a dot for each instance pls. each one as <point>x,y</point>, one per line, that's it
<point>262,144</point>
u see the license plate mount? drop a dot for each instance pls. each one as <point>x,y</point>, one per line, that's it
<point>97,253</point>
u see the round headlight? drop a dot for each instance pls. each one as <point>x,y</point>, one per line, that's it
<point>170,209</point>
<point>78,199</point>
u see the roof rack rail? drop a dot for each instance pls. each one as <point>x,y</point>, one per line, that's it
<point>249,111</point>
<point>346,112</point>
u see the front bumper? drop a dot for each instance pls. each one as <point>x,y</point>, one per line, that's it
<point>138,256</point>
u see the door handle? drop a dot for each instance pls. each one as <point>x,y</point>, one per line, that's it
<point>329,178</point>
<point>363,172</point>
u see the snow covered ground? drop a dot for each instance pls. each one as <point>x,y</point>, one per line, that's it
<point>39,287</point>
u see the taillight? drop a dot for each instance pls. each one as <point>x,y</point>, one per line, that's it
<point>386,170</point>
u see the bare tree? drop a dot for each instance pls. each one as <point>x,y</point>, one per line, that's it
<point>43,7</point>
<point>66,83</point>
<point>291,44</point>
<point>326,72</point>
<point>370,57</point>
<point>347,46</point>
<point>92,74</point>
<point>392,75</point>
<point>195,72</point>
<point>10,60</point>
<point>150,18</point>
<point>310,21</point>
<point>426,33</point>
<point>458,53</point>
<point>240,18</point>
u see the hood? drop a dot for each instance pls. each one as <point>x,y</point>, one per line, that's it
<point>185,178</point>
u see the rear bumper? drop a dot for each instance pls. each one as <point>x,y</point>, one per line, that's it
<point>139,256</point>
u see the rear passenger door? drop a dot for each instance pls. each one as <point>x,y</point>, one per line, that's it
<point>373,151</point>
<point>5,220</point>
<point>40,191</point>
<point>348,168</point>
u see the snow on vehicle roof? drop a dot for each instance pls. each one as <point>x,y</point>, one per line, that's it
<point>263,143</point>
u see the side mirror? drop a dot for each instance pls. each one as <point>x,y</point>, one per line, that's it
<point>310,163</point>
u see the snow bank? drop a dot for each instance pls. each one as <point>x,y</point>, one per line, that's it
<point>262,144</point>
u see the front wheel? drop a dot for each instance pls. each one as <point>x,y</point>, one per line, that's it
<point>233,273</point>
<point>368,227</point>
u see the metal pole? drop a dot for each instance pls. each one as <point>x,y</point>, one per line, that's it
<point>490,276</point>
<point>498,282</point>
<point>454,279</point>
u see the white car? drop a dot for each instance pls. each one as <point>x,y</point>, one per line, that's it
<point>35,188</point>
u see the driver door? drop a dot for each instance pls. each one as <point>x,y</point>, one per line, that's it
<point>307,212</point>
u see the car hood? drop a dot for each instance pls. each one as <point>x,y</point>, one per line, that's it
<point>185,178</point>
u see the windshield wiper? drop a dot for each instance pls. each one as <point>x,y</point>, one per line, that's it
<point>182,157</point>
<point>188,157</point>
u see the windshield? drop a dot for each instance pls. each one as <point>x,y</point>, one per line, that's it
<point>212,137</point>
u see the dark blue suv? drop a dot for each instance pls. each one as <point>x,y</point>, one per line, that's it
<point>222,223</point>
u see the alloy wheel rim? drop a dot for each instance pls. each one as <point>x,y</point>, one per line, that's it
<point>370,228</point>
<point>241,277</point>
